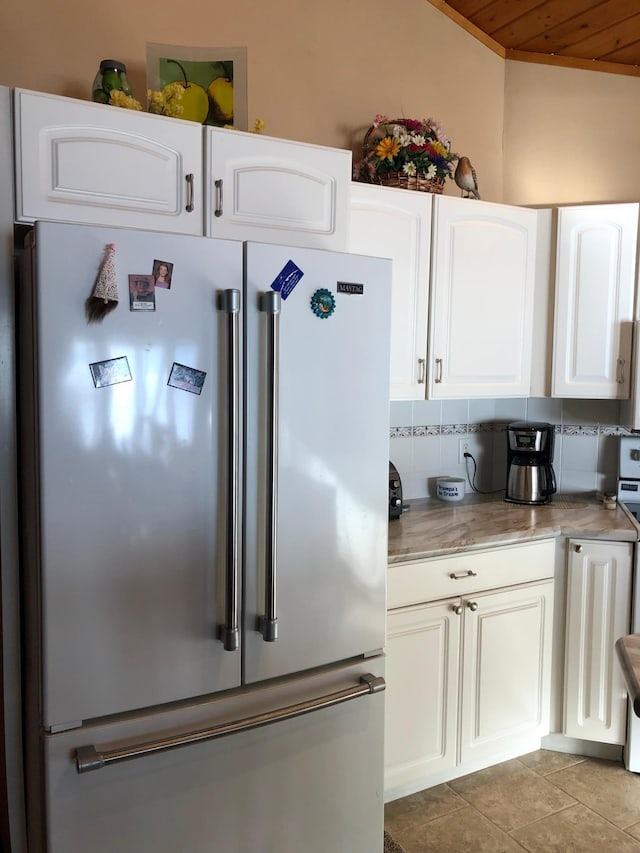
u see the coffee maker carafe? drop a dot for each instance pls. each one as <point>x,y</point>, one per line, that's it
<point>530,476</point>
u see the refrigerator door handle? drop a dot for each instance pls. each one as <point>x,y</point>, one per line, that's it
<point>268,624</point>
<point>229,302</point>
<point>90,758</point>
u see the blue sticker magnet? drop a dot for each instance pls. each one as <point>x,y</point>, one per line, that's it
<point>323,303</point>
<point>287,279</point>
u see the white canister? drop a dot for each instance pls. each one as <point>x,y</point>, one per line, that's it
<point>450,488</point>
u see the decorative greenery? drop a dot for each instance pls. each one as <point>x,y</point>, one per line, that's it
<point>406,145</point>
<point>168,102</point>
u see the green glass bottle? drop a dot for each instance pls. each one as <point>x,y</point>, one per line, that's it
<point>111,75</point>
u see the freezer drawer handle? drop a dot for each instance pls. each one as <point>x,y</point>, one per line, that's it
<point>229,302</point>
<point>90,758</point>
<point>268,624</point>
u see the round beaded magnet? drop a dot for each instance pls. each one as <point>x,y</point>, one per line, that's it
<point>323,303</point>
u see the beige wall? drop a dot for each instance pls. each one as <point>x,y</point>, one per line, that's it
<point>570,135</point>
<point>318,72</point>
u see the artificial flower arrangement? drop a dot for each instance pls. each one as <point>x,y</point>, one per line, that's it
<point>406,152</point>
<point>168,102</point>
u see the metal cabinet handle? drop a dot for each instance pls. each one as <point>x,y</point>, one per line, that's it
<point>229,302</point>
<point>578,549</point>
<point>91,758</point>
<point>438,378</point>
<point>268,624</point>
<point>189,204</point>
<point>218,186</point>
<point>457,609</point>
<point>458,576</point>
<point>421,370</point>
<point>621,364</point>
<point>472,605</point>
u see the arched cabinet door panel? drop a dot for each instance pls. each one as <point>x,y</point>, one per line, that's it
<point>276,190</point>
<point>77,161</point>
<point>481,299</point>
<point>595,283</point>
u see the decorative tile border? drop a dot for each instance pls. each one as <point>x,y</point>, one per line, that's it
<point>474,429</point>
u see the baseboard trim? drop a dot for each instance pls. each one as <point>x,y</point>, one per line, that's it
<point>556,742</point>
<point>395,790</point>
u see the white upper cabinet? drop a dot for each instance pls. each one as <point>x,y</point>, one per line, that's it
<point>275,190</point>
<point>595,275</point>
<point>77,161</point>
<point>396,224</point>
<point>481,301</point>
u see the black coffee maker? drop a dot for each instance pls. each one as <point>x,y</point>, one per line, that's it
<point>530,476</point>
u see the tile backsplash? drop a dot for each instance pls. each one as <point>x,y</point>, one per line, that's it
<point>425,437</point>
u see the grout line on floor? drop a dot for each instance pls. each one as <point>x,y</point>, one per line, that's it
<point>543,775</point>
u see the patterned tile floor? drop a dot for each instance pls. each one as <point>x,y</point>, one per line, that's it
<point>544,802</point>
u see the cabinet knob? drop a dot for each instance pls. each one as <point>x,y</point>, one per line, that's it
<point>457,609</point>
<point>438,378</point>
<point>578,549</point>
<point>472,605</point>
<point>458,576</point>
<point>421,371</point>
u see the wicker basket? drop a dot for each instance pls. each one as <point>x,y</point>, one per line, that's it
<point>399,179</point>
<point>411,182</point>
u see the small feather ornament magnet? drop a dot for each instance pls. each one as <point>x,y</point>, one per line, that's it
<point>104,297</point>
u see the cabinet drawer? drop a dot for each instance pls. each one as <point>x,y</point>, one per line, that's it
<point>469,571</point>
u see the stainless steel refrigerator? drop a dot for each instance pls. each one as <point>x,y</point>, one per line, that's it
<point>204,517</point>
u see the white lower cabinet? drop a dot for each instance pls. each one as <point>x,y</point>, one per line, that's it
<point>598,613</point>
<point>506,665</point>
<point>468,677</point>
<point>423,646</point>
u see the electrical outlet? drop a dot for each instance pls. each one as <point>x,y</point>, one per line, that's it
<point>463,447</point>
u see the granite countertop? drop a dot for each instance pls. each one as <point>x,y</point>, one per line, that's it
<point>628,650</point>
<point>431,527</point>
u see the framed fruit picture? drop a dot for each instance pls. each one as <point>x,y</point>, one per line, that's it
<point>212,81</point>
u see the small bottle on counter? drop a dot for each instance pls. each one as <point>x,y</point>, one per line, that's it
<point>111,75</point>
<point>609,501</point>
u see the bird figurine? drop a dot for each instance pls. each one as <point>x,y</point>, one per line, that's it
<point>465,178</point>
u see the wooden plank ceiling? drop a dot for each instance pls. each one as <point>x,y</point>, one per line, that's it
<point>602,35</point>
